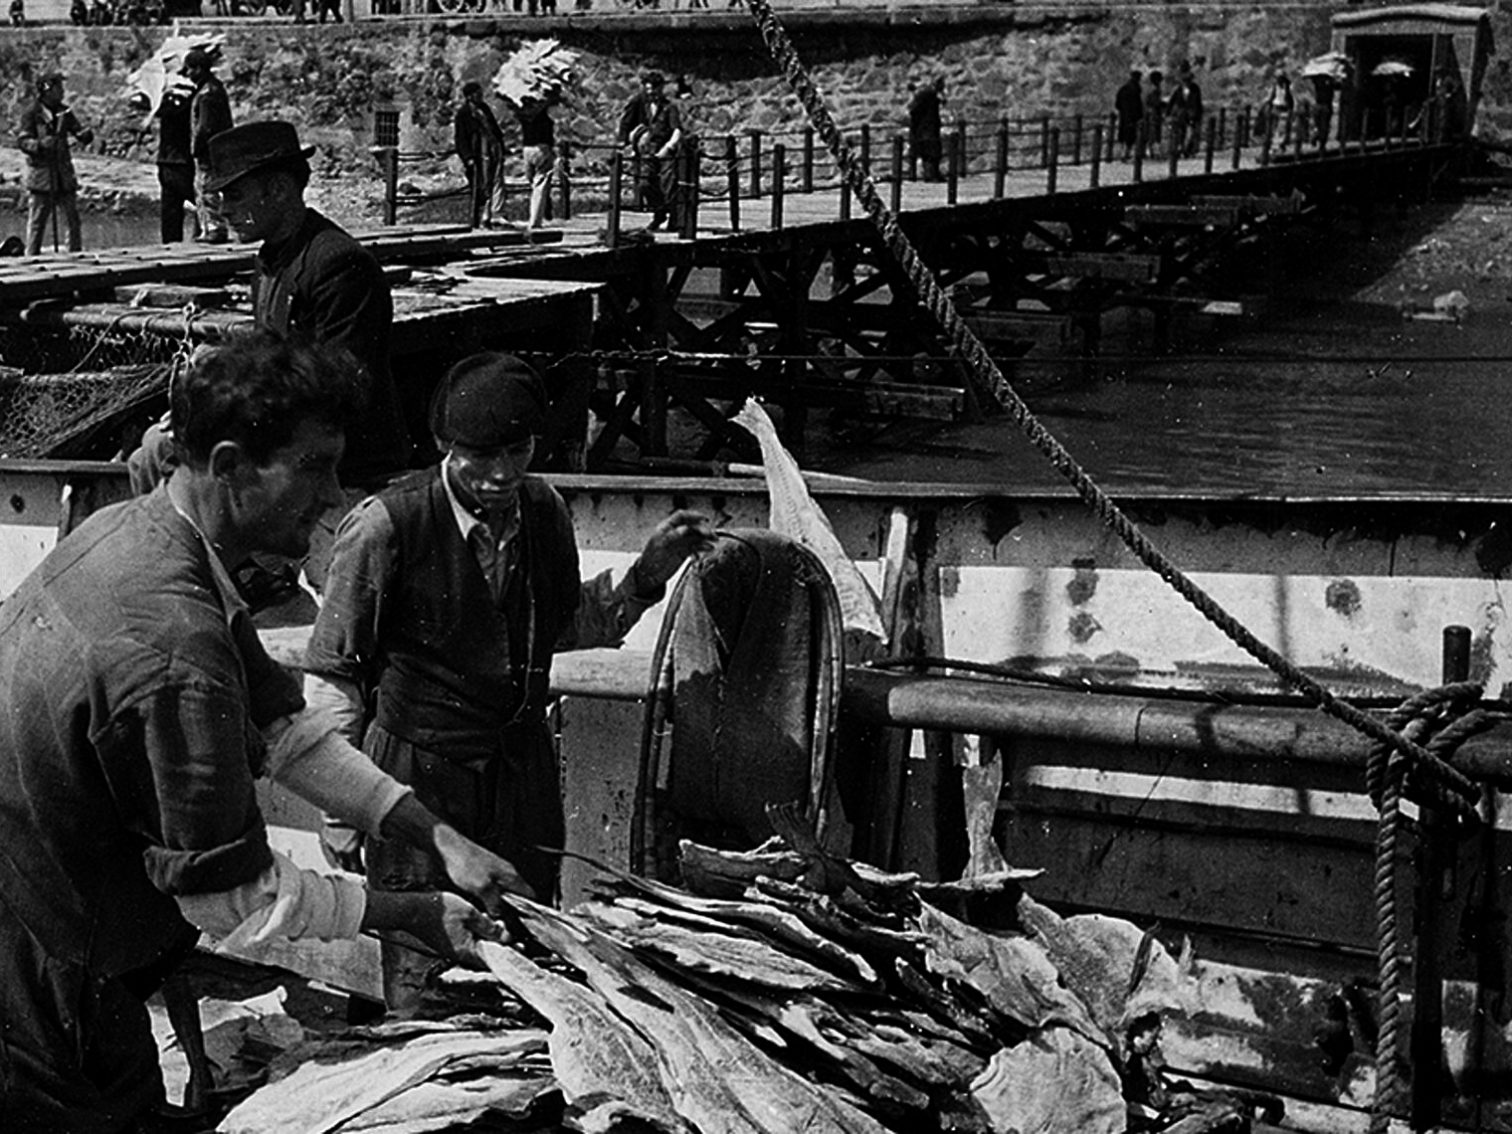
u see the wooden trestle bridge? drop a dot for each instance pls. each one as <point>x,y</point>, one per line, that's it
<point>774,284</point>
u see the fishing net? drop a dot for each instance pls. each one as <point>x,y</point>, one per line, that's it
<point>80,393</point>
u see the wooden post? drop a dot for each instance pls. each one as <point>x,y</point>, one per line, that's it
<point>1436,884</point>
<point>616,182</point>
<point>952,169</point>
<point>564,179</point>
<point>845,200</point>
<point>779,174</point>
<point>1097,155</point>
<point>1053,168</point>
<point>1142,137</point>
<point>808,159</point>
<point>897,173</point>
<point>693,186</point>
<point>1076,140</point>
<point>1044,140</point>
<point>1222,126</point>
<point>388,158</point>
<point>1265,145</point>
<point>1000,166</point>
<point>865,147</point>
<point>732,174</point>
<point>1297,140</point>
<point>1110,135</point>
<point>962,155</point>
<point>1238,140</point>
<point>1173,160</point>
<point>913,164</point>
<point>755,136</point>
<point>1212,144</point>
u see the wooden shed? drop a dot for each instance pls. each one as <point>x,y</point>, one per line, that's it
<point>1400,57</point>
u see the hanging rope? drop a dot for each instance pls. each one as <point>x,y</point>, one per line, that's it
<point>1449,716</point>
<point>983,371</point>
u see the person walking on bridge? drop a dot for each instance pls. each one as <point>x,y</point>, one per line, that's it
<point>651,125</point>
<point>1154,114</point>
<point>1128,105</point>
<point>209,115</point>
<point>51,184</point>
<point>924,127</point>
<point>480,144</point>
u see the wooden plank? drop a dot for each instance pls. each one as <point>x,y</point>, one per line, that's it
<point>1182,216</point>
<point>1105,266</point>
<point>1253,205</point>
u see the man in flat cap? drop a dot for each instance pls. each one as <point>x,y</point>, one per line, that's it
<point>652,126</point>
<point>51,184</point>
<point>446,596</point>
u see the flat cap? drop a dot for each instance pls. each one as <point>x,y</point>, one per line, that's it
<point>487,401</point>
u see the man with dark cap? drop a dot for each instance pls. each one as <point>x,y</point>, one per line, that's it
<point>136,707</point>
<point>51,184</point>
<point>651,125</point>
<point>446,596</point>
<point>209,115</point>
<point>175,160</point>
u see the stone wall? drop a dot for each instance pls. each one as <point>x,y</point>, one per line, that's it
<point>1011,60</point>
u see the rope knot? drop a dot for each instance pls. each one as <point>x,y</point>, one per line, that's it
<point>1433,724</point>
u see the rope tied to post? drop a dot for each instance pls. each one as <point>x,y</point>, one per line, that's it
<point>1440,720</point>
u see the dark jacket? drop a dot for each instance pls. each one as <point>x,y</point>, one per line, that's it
<point>476,132</point>
<point>175,145</point>
<point>43,137</point>
<point>210,113</point>
<point>924,118</point>
<point>322,283</point>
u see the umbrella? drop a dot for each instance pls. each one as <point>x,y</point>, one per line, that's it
<point>1393,69</point>
<point>1330,65</point>
<point>539,69</point>
<point>161,71</point>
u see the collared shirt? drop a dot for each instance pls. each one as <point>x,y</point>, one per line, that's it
<point>493,550</point>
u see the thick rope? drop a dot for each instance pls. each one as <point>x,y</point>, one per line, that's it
<point>969,347</point>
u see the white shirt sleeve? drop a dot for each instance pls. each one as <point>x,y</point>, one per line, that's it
<point>308,754</point>
<point>284,901</point>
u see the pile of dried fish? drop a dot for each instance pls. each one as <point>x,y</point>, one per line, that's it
<point>787,990</point>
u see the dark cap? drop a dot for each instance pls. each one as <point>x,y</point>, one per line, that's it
<point>49,79</point>
<point>251,148</point>
<point>653,78</point>
<point>199,58</point>
<point>487,401</point>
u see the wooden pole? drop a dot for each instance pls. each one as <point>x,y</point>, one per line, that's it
<point>564,179</point>
<point>808,159</point>
<point>1097,156</point>
<point>1000,165</point>
<point>755,136</point>
<point>952,169</point>
<point>616,181</point>
<point>732,175</point>
<point>1211,146</point>
<point>1053,169</point>
<point>779,175</point>
<point>693,185</point>
<point>388,157</point>
<point>897,173</point>
<point>865,147</point>
<point>1142,137</point>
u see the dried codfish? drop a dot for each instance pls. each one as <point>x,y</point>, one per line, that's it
<point>1013,973</point>
<point>713,951</point>
<point>718,1080</point>
<point>593,1052</point>
<point>822,915</point>
<point>321,1095</point>
<point>443,1104</point>
<point>1055,1082</point>
<point>726,874</point>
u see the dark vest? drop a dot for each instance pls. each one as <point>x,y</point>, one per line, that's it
<point>459,672</point>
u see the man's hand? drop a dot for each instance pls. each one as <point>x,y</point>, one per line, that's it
<point>477,871</point>
<point>444,923</point>
<point>683,533</point>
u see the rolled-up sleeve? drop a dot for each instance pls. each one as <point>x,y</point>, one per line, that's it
<point>344,643</point>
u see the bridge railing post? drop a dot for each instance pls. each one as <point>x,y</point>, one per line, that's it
<point>779,177</point>
<point>616,185</point>
<point>952,168</point>
<point>1265,145</point>
<point>1095,175</point>
<point>1211,144</point>
<point>808,159</point>
<point>1173,157</point>
<point>1044,140</point>
<point>1110,135</point>
<point>1222,127</point>
<point>755,137</point>
<point>1000,165</point>
<point>732,178</point>
<point>897,173</point>
<point>963,154</point>
<point>388,161</point>
<point>1141,140</point>
<point>1053,168</point>
<point>1238,140</point>
<point>1076,140</point>
<point>865,147</point>
<point>692,185</point>
<point>845,199</point>
<point>564,179</point>
<point>1297,140</point>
